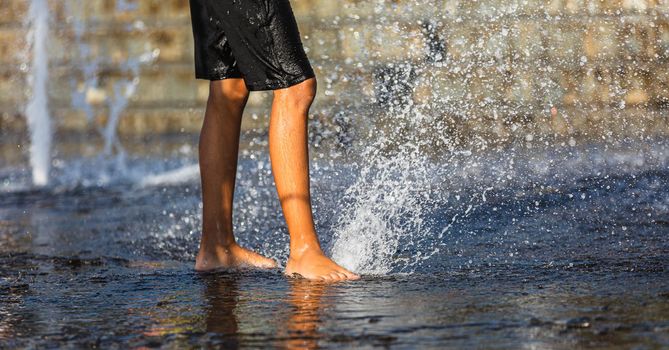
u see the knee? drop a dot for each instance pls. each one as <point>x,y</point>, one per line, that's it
<point>302,95</point>
<point>226,95</point>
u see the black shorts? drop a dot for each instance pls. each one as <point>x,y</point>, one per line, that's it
<point>257,40</point>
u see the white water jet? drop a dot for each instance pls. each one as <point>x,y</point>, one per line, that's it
<point>37,110</point>
<point>177,176</point>
<point>388,201</point>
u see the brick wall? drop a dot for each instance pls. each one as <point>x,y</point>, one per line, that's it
<point>560,66</point>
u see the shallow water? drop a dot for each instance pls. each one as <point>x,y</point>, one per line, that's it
<point>539,261</point>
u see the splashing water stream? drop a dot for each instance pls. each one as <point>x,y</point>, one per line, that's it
<point>387,201</point>
<point>37,110</point>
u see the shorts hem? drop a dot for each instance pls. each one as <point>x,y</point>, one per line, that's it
<point>276,85</point>
<point>217,77</point>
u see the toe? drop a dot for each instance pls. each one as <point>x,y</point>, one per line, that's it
<point>350,275</point>
<point>342,276</point>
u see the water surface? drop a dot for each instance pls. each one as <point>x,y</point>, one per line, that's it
<point>558,262</point>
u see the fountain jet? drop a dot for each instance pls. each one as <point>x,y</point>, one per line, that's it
<point>37,110</point>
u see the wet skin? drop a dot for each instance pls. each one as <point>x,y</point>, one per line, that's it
<point>288,149</point>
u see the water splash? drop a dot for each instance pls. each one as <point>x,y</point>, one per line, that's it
<point>383,223</point>
<point>37,110</point>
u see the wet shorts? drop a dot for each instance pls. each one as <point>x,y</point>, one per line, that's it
<point>256,40</point>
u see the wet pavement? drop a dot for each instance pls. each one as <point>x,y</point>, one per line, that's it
<point>578,263</point>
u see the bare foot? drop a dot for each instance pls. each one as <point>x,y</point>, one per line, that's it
<point>231,257</point>
<point>314,265</point>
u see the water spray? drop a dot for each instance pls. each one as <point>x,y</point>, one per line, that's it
<point>37,110</point>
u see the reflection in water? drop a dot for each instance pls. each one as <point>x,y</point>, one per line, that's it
<point>305,299</point>
<point>222,294</point>
<point>15,319</point>
<point>215,320</point>
<point>296,330</point>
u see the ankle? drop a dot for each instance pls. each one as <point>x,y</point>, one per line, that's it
<point>305,249</point>
<point>213,247</point>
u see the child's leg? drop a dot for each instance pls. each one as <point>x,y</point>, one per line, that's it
<point>290,166</point>
<point>219,145</point>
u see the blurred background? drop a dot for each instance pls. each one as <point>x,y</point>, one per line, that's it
<point>502,70</point>
<point>497,170</point>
